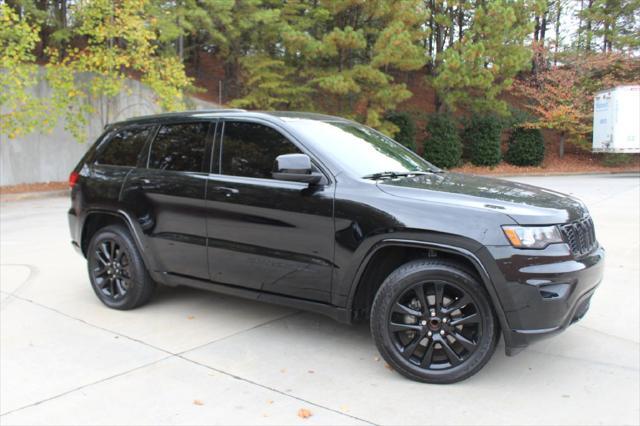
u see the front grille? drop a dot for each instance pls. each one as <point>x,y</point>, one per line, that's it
<point>580,235</point>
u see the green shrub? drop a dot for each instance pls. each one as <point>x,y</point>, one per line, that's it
<point>442,147</point>
<point>526,147</point>
<point>517,117</point>
<point>615,159</point>
<point>407,133</point>
<point>482,139</point>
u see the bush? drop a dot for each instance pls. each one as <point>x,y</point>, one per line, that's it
<point>407,133</point>
<point>482,138</point>
<point>442,147</point>
<point>615,159</point>
<point>526,147</point>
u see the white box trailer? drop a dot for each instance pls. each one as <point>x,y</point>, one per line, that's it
<point>616,120</point>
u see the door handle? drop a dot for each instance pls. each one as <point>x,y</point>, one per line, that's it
<point>146,184</point>
<point>226,190</point>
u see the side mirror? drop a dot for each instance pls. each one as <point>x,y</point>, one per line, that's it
<point>295,167</point>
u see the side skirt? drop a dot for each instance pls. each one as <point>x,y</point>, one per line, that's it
<point>337,314</point>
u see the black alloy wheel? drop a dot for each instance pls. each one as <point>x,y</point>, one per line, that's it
<point>112,272</point>
<point>432,321</point>
<point>435,325</point>
<point>117,272</point>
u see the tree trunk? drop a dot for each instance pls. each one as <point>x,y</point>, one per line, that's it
<point>561,146</point>
<point>460,22</point>
<point>452,27</point>
<point>438,103</point>
<point>580,24</point>
<point>431,35</point>
<point>557,28</point>
<point>589,34</point>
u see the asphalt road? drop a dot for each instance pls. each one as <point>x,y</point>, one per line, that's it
<point>192,357</point>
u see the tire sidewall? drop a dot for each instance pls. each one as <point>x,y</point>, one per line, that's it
<point>409,275</point>
<point>121,237</point>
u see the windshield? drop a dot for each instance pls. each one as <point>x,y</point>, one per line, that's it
<point>360,149</point>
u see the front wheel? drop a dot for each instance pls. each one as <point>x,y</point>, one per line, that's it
<point>432,322</point>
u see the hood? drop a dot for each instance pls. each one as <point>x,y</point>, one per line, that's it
<point>525,204</point>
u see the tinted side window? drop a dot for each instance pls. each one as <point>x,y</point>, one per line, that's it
<point>179,147</point>
<point>250,149</point>
<point>124,146</point>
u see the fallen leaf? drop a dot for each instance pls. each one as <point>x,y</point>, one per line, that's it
<point>269,401</point>
<point>303,413</point>
<point>197,402</point>
<point>376,359</point>
<point>344,408</point>
<point>190,317</point>
<point>283,370</point>
<point>265,415</point>
<point>387,366</point>
<point>311,372</point>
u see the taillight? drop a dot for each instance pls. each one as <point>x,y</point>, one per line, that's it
<point>73,179</point>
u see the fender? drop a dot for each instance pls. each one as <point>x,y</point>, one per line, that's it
<point>471,256</point>
<point>133,228</point>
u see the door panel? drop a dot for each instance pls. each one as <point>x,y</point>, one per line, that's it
<point>116,157</point>
<point>266,234</point>
<point>168,198</point>
<point>170,209</point>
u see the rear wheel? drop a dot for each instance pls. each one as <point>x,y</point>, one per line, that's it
<point>116,270</point>
<point>432,322</point>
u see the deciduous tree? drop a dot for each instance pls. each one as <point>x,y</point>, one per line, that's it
<point>115,40</point>
<point>561,97</point>
<point>19,108</point>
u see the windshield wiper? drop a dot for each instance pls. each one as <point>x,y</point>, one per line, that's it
<point>391,175</point>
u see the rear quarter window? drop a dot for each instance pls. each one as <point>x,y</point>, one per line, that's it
<point>179,147</point>
<point>123,148</point>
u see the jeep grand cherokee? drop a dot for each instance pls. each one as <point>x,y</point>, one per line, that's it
<point>324,214</point>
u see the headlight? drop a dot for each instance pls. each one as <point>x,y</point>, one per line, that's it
<point>536,237</point>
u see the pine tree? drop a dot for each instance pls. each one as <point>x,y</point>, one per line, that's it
<point>473,72</point>
<point>337,56</point>
<point>612,25</point>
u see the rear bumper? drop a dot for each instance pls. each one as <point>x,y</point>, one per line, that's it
<point>542,292</point>
<point>75,231</point>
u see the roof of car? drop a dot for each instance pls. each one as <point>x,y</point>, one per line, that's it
<point>213,113</point>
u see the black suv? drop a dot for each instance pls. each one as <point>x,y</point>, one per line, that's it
<point>324,214</point>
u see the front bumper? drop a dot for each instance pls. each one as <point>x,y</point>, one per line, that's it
<point>542,292</point>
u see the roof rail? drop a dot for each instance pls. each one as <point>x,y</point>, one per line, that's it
<point>177,113</point>
<point>196,111</point>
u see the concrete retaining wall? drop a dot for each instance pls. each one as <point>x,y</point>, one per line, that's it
<point>50,157</point>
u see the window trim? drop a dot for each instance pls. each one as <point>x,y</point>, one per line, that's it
<point>109,137</point>
<point>219,149</point>
<point>204,168</point>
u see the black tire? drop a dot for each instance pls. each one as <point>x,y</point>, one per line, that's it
<point>415,335</point>
<point>116,270</point>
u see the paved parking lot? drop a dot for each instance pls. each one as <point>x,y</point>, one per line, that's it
<point>192,357</point>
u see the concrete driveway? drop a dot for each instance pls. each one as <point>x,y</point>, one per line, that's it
<point>192,357</point>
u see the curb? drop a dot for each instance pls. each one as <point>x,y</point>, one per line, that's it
<point>19,196</point>
<point>542,174</point>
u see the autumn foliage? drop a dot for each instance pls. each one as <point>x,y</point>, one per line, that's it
<point>561,96</point>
